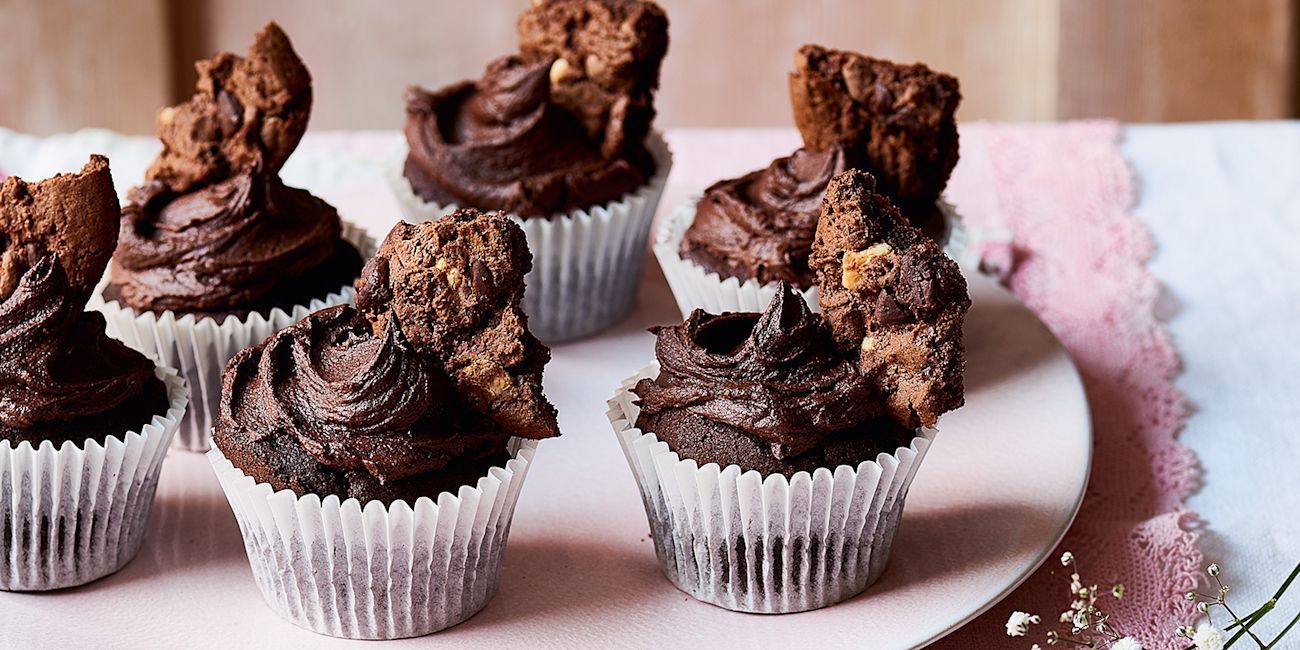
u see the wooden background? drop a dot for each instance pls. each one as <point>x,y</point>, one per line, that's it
<point>69,64</point>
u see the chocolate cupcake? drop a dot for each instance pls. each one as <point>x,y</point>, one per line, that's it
<point>216,252</point>
<point>726,249</point>
<point>558,136</point>
<point>84,420</point>
<point>774,450</point>
<point>407,423</point>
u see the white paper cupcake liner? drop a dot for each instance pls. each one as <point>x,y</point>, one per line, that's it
<point>72,515</point>
<point>694,287</point>
<point>375,572</point>
<point>200,347</point>
<point>768,546</point>
<point>586,263</point>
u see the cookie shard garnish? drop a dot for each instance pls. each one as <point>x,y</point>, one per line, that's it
<point>244,109</point>
<point>73,216</point>
<point>899,118</point>
<point>455,285</point>
<point>605,57</point>
<point>893,299</point>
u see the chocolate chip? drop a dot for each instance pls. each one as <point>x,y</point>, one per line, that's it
<point>229,113</point>
<point>480,276</point>
<point>919,288</point>
<point>375,294</point>
<point>888,311</point>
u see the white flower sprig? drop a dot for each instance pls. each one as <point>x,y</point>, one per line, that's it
<point>1208,637</point>
<point>1090,626</point>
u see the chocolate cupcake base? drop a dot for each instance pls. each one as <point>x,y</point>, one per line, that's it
<point>775,545</point>
<point>586,263</point>
<point>199,347</point>
<point>339,568</point>
<point>76,513</point>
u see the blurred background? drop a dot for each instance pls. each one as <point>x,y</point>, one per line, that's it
<point>70,64</point>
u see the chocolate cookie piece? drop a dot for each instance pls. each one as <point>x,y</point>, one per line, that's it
<point>900,117</point>
<point>893,299</point>
<point>73,216</point>
<point>454,285</point>
<point>243,109</point>
<point>605,58</point>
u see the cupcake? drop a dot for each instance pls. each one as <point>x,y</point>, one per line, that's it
<point>84,420</point>
<point>728,248</point>
<point>216,252</point>
<point>373,455</point>
<point>774,450</point>
<point>557,136</point>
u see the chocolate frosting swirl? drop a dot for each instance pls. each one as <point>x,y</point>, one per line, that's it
<point>354,399</point>
<point>775,375</point>
<point>220,246</point>
<point>500,143</point>
<point>56,362</point>
<point>762,224</point>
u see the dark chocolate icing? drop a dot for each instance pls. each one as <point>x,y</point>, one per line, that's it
<point>762,224</point>
<point>221,246</point>
<point>352,400</point>
<point>56,362</point>
<point>775,376</point>
<point>501,143</point>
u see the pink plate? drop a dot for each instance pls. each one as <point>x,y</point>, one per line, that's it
<point>995,495</point>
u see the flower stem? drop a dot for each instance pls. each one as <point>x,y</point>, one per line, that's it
<point>1245,627</point>
<point>1284,631</point>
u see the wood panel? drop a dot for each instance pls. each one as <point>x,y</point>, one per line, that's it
<point>728,59</point>
<point>1171,60</point>
<point>361,55</point>
<point>70,64</point>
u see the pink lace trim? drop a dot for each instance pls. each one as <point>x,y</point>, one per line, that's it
<point>1077,258</point>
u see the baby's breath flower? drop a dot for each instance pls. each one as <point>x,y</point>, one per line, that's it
<point>1067,616</point>
<point>1075,585</point>
<point>1203,607</point>
<point>1018,623</point>
<point>1080,621</point>
<point>1066,558</point>
<point>1214,570</point>
<point>1185,631</point>
<point>1117,591</point>
<point>1191,595</point>
<point>1208,637</point>
<point>1126,643</point>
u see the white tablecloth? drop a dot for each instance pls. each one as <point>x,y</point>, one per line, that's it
<point>1222,201</point>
